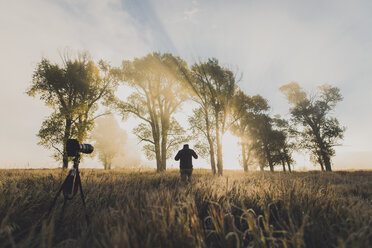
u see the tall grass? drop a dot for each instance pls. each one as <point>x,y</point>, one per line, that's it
<point>146,209</point>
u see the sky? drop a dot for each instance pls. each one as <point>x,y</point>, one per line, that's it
<point>270,43</point>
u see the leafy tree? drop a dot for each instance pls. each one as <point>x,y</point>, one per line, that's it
<point>280,150</point>
<point>244,110</point>
<point>203,121</point>
<point>214,87</point>
<point>268,143</point>
<point>159,91</point>
<point>320,132</point>
<point>73,91</point>
<point>261,136</point>
<point>265,140</point>
<point>287,142</point>
<point>202,127</point>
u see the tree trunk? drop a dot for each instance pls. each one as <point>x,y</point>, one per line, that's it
<point>244,157</point>
<point>164,152</point>
<point>158,158</point>
<point>157,155</point>
<point>283,164</point>
<point>105,163</point>
<point>289,165</point>
<point>65,160</point>
<point>164,139</point>
<point>261,167</point>
<point>219,151</point>
<point>327,161</point>
<point>211,154</point>
<point>109,161</point>
<point>211,145</point>
<point>156,137</point>
<point>323,154</point>
<point>219,159</point>
<point>321,163</point>
<point>268,156</point>
<point>65,138</point>
<point>219,148</point>
<point>271,166</point>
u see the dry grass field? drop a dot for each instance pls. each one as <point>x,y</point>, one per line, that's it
<point>146,209</point>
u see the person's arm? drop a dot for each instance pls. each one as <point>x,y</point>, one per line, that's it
<point>177,156</point>
<point>194,154</point>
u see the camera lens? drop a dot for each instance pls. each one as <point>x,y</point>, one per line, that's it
<point>86,148</point>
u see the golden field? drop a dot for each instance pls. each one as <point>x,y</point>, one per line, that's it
<point>147,209</point>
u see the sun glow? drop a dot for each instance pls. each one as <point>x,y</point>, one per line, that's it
<point>231,152</point>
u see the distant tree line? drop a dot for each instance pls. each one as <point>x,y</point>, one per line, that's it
<point>161,84</point>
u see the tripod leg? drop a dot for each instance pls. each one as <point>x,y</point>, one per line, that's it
<point>62,212</point>
<point>56,197</point>
<point>82,197</point>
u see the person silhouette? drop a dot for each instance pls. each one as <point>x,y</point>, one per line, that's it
<point>185,156</point>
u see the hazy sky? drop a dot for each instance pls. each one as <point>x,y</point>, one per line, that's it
<point>271,42</point>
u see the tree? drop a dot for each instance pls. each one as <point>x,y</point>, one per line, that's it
<point>265,140</point>
<point>287,144</point>
<point>320,132</point>
<point>245,108</point>
<point>214,87</point>
<point>202,127</point>
<point>110,140</point>
<point>269,144</point>
<point>73,91</point>
<point>251,122</point>
<point>176,137</point>
<point>280,150</point>
<point>159,91</point>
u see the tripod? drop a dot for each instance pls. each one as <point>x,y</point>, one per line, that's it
<point>70,187</point>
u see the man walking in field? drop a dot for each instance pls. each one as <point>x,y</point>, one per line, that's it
<point>185,156</point>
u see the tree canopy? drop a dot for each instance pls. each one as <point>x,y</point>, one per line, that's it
<point>214,87</point>
<point>244,110</point>
<point>319,132</point>
<point>159,91</point>
<point>72,90</point>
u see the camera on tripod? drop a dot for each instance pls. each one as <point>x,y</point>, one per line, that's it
<point>73,148</point>
<point>72,183</point>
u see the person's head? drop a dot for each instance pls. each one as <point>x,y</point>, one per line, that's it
<point>186,146</point>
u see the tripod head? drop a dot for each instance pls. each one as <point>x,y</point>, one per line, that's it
<point>72,182</point>
<point>76,161</point>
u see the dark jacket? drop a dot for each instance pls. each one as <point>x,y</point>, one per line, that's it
<point>185,156</point>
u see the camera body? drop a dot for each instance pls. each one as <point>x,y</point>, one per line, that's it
<point>73,148</point>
